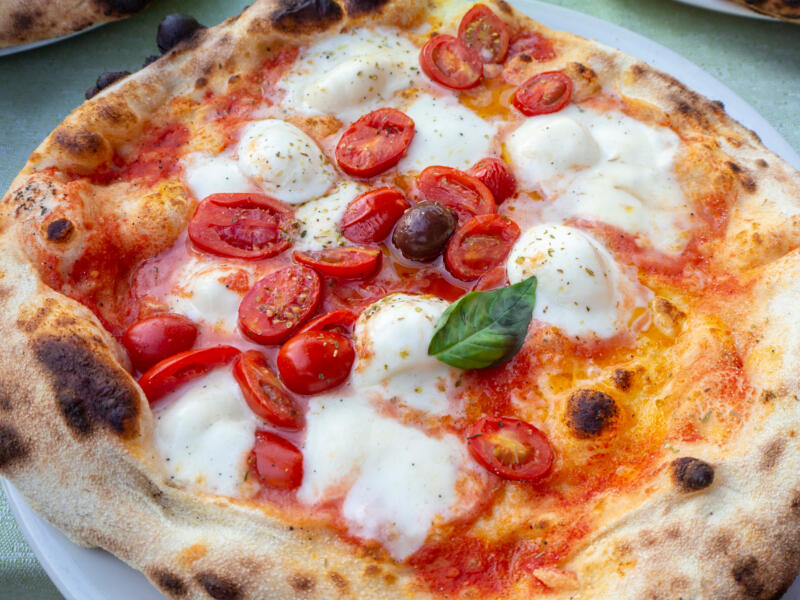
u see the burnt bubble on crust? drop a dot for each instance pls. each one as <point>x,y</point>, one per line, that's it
<point>360,7</point>
<point>591,412</point>
<point>218,587</point>
<point>175,28</point>
<point>89,391</point>
<point>691,474</point>
<point>122,7</point>
<point>104,80</point>
<point>297,15</point>
<point>59,230</point>
<point>169,583</point>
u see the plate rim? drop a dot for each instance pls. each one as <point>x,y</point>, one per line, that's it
<point>733,9</point>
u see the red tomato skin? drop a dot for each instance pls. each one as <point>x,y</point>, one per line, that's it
<point>374,143</point>
<point>264,394</point>
<point>528,98</point>
<point>278,304</point>
<point>534,45</point>
<point>372,215</point>
<point>344,263</point>
<point>492,279</point>
<point>157,337</point>
<point>278,462</point>
<point>169,374</point>
<point>339,319</point>
<point>447,51</point>
<point>480,446</point>
<point>315,361</point>
<point>248,226</point>
<point>462,192</point>
<point>469,26</point>
<point>480,244</point>
<point>497,176</point>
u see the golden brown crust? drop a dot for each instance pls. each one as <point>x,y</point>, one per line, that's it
<point>76,433</point>
<point>788,10</point>
<point>25,21</point>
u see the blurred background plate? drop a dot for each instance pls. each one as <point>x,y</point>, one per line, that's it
<point>728,7</point>
<point>40,43</point>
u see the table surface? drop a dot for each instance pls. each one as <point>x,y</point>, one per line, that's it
<point>756,59</point>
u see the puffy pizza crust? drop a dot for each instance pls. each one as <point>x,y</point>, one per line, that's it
<point>25,21</point>
<point>788,10</point>
<point>76,434</point>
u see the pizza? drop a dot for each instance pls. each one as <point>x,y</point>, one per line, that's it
<point>788,10</point>
<point>403,299</point>
<point>26,21</point>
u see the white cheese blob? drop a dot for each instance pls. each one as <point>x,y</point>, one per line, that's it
<point>319,219</point>
<point>577,279</point>
<point>204,432</point>
<point>284,161</point>
<point>605,167</point>
<point>208,174</point>
<point>446,133</point>
<point>395,480</point>
<point>391,338</point>
<point>350,74</point>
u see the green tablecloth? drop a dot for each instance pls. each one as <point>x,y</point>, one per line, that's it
<point>759,60</point>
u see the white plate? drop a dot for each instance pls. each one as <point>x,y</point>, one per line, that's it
<point>728,7</point>
<point>83,574</point>
<point>40,43</point>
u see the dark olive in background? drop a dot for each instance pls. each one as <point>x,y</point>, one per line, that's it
<point>175,28</point>
<point>423,230</point>
<point>126,6</point>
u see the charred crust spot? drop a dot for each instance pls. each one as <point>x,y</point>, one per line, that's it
<point>169,583</point>
<point>762,163</point>
<point>360,7</point>
<point>795,503</point>
<point>22,21</point>
<point>122,7</point>
<point>59,231</point>
<point>745,573</point>
<point>691,474</point>
<point>623,379</point>
<point>12,447</point>
<point>504,6</point>
<point>339,581</point>
<point>301,583</point>
<point>734,167</point>
<point>78,142</point>
<point>717,106</point>
<point>88,390</point>
<point>32,324</point>
<point>590,412</point>
<point>372,570</point>
<point>297,15</point>
<point>200,82</point>
<point>219,588</point>
<point>768,396</point>
<point>638,70</point>
<point>771,454</point>
<point>526,58</point>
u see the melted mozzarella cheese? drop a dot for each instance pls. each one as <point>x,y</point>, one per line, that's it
<point>200,293</point>
<point>446,133</point>
<point>605,167</point>
<point>208,174</point>
<point>391,338</point>
<point>284,161</point>
<point>350,74</point>
<point>577,279</point>
<point>319,219</point>
<point>395,480</point>
<point>205,432</point>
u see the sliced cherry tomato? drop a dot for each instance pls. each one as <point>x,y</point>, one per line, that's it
<point>492,279</point>
<point>485,33</point>
<point>480,244</point>
<point>315,361</point>
<point>341,319</point>
<point>251,226</point>
<point>462,192</point>
<point>158,337</point>
<point>264,394</point>
<point>346,262</point>
<point>370,217</point>
<point>449,61</point>
<point>510,448</point>
<point>171,373</point>
<point>497,176</point>
<point>543,94</point>
<point>534,45</point>
<point>279,303</point>
<point>278,462</point>
<point>375,143</point>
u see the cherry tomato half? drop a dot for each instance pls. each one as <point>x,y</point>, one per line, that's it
<point>315,361</point>
<point>492,279</point>
<point>338,320</point>
<point>346,262</point>
<point>543,94</point>
<point>534,45</point>
<point>465,194</point>
<point>485,33</point>
<point>278,462</point>
<point>171,373</point>
<point>449,61</point>
<point>510,448</point>
<point>497,176</point>
<point>279,303</point>
<point>264,394</point>
<point>374,143</point>
<point>251,226</point>
<point>158,337</point>
<point>480,244</point>
<point>370,217</point>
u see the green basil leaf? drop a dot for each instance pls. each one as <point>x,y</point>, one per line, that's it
<point>484,329</point>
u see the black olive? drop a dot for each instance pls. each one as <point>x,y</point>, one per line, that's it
<point>590,412</point>
<point>127,6</point>
<point>691,474</point>
<point>423,230</point>
<point>105,80</point>
<point>174,29</point>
